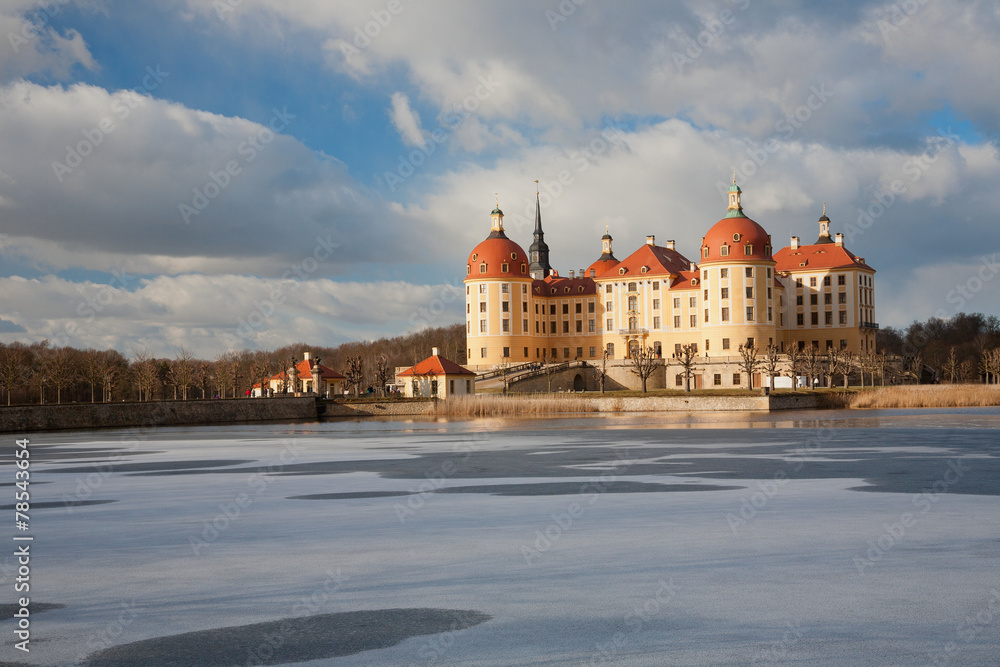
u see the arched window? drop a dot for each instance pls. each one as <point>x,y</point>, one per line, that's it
<point>482,267</point>
<point>524,269</point>
<point>468,269</point>
<point>704,252</point>
<point>724,251</point>
<point>505,267</point>
<point>748,249</point>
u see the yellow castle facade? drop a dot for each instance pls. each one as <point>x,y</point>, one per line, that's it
<point>739,292</point>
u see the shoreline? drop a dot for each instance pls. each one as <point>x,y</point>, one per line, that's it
<point>93,416</point>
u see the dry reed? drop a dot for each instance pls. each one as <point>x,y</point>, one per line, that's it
<point>928,396</point>
<point>497,406</point>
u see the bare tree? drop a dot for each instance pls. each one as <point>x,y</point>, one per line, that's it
<point>503,368</point>
<point>260,370</point>
<point>355,373</point>
<point>915,370</point>
<point>686,360</point>
<point>846,363</point>
<point>181,371</point>
<point>144,372</point>
<point>643,364</point>
<point>15,367</point>
<point>749,363</point>
<point>383,372</point>
<point>769,364</point>
<point>951,365</point>
<point>813,365</point>
<point>794,367</point>
<point>60,369</point>
<point>602,371</point>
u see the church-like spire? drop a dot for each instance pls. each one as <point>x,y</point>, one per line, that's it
<point>538,252</point>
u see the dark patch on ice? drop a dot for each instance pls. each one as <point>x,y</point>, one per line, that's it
<point>52,504</point>
<point>352,495</point>
<point>291,640</point>
<point>582,488</point>
<point>157,466</point>
<point>7,611</point>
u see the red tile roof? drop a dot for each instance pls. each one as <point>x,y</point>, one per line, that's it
<point>684,281</point>
<point>436,365</point>
<point>305,367</point>
<point>658,261</point>
<point>737,233</point>
<point>558,286</point>
<point>817,256</point>
<point>495,252</point>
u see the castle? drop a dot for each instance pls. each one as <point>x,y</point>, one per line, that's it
<point>740,292</point>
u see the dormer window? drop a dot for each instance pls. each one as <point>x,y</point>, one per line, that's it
<point>513,255</point>
<point>621,271</point>
<point>482,267</point>
<point>524,269</point>
<point>644,269</point>
<point>767,249</point>
<point>748,249</point>
<point>704,252</point>
<point>474,256</point>
<point>724,251</point>
<point>694,281</point>
<point>468,269</point>
<point>736,238</point>
<point>566,290</point>
<point>504,267</point>
<point>581,288</point>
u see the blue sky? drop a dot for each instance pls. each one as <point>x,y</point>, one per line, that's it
<point>350,176</point>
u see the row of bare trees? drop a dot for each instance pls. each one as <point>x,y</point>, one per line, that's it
<point>40,373</point>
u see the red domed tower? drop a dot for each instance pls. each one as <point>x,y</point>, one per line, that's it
<point>497,292</point>
<point>737,274</point>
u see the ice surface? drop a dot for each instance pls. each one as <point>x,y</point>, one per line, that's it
<point>792,565</point>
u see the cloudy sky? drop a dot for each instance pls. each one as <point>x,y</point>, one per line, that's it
<point>220,174</point>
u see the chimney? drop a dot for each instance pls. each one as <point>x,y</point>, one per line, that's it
<point>434,352</point>
<point>795,243</point>
<point>693,266</point>
<point>572,274</point>
<point>582,273</point>
<point>839,240</point>
<point>307,355</point>
<point>650,240</point>
<point>670,244</point>
<point>593,273</point>
<point>555,274</point>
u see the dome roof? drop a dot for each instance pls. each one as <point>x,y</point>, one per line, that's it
<point>493,253</point>
<point>737,233</point>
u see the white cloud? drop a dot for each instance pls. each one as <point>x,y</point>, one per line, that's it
<point>406,121</point>
<point>99,177</point>
<point>30,45</point>
<point>210,314</point>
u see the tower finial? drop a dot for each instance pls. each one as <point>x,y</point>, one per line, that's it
<point>497,194</point>
<point>536,187</point>
<point>734,175</point>
<point>824,208</point>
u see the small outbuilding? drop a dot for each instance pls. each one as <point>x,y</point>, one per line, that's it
<point>308,375</point>
<point>437,377</point>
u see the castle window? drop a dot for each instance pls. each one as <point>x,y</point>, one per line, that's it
<point>724,292</point>
<point>717,379</point>
<point>482,306</point>
<point>506,328</point>
<point>748,249</point>
<point>468,269</point>
<point>768,268</point>
<point>482,327</point>
<point>474,256</point>
<point>677,321</point>
<point>656,304</point>
<point>704,252</point>
<point>798,282</point>
<point>749,313</point>
<point>482,268</point>
<point>607,288</point>
<point>504,287</point>
<point>631,287</point>
<point>828,299</point>
<point>737,237</point>
<point>693,302</point>
<point>842,297</point>
<point>566,290</point>
<point>579,308</point>
<point>841,279</point>
<point>656,322</point>
<point>656,285</point>
<point>694,321</point>
<point>826,281</point>
<point>591,307</point>
<point>828,318</point>
<point>621,271</point>
<point>677,303</point>
<point>815,319</point>
<point>505,267</point>
<point>749,292</point>
<point>513,255</point>
<point>524,269</point>
<point>800,319</point>
<point>580,288</point>
<point>812,281</point>
<point>482,289</point>
<point>843,317</point>
<point>725,251</point>
<point>723,273</point>
<point>749,271</point>
<point>725,343</point>
<point>505,306</point>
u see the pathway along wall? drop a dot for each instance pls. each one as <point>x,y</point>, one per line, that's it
<point>32,418</point>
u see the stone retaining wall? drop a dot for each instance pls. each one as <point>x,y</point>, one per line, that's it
<point>32,418</point>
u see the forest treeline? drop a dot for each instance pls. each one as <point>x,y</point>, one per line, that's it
<point>964,348</point>
<point>39,372</point>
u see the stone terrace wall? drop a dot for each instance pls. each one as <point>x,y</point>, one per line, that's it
<point>32,418</point>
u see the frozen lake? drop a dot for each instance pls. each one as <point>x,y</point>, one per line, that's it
<point>808,538</point>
